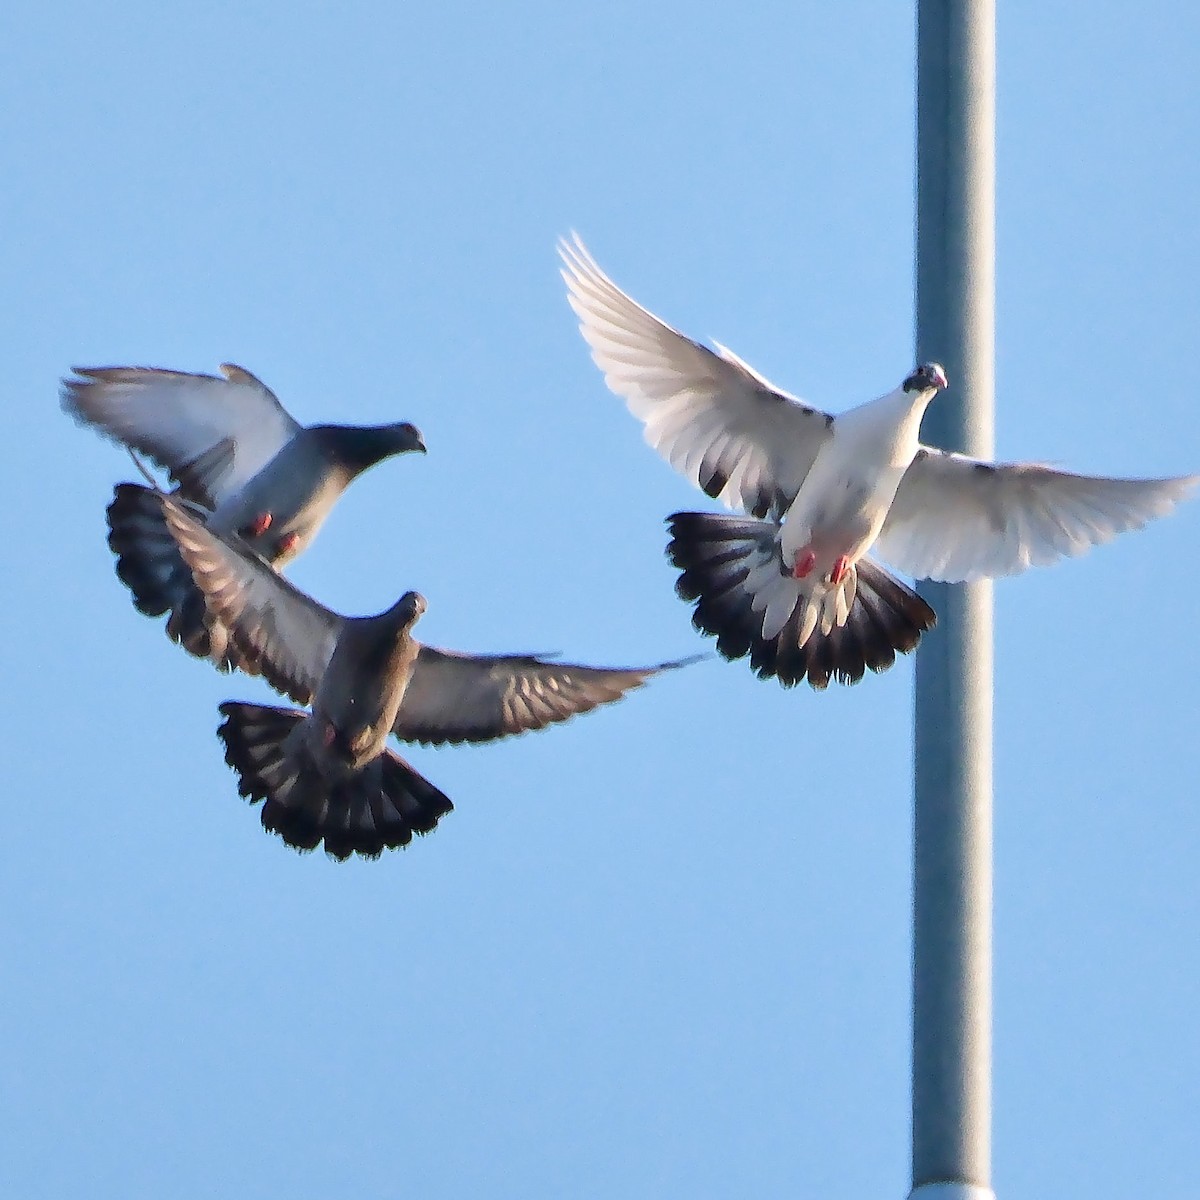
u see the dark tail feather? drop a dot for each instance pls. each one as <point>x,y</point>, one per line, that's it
<point>378,809</point>
<point>149,564</point>
<point>716,555</point>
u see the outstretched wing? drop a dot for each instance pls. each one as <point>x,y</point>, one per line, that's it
<point>281,632</point>
<point>959,519</point>
<point>710,415</point>
<point>455,697</point>
<point>212,435</point>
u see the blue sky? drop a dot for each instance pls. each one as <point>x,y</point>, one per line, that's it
<point>664,950</point>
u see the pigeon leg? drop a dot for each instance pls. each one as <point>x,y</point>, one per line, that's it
<point>286,544</point>
<point>257,527</point>
<point>806,559</point>
<point>840,567</point>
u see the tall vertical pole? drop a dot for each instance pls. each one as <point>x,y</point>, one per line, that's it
<point>952,872</point>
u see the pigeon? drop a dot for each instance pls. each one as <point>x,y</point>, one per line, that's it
<point>788,581</point>
<point>328,774</point>
<point>232,448</point>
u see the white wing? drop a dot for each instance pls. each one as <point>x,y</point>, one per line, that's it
<point>283,634</point>
<point>211,434</point>
<point>710,415</point>
<point>959,519</point>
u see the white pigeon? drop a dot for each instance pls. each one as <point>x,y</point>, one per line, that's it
<point>792,586</point>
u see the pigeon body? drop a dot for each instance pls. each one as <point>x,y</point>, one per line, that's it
<point>329,774</point>
<point>364,677</point>
<point>235,453</point>
<point>791,584</point>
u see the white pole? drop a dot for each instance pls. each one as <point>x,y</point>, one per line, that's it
<point>952,869</point>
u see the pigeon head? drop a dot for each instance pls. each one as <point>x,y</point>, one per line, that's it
<point>407,610</point>
<point>927,377</point>
<point>361,446</point>
<point>403,437</point>
<point>379,638</point>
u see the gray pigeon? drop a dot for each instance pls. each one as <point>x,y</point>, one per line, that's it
<point>232,449</point>
<point>790,584</point>
<point>328,774</point>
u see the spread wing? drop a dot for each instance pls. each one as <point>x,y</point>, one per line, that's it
<point>455,697</point>
<point>283,634</point>
<point>710,415</point>
<point>212,435</point>
<point>959,519</point>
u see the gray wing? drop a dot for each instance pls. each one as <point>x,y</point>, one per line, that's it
<point>958,519</point>
<point>212,435</point>
<point>283,634</point>
<point>710,415</point>
<point>455,697</point>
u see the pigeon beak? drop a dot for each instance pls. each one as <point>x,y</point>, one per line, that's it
<point>938,375</point>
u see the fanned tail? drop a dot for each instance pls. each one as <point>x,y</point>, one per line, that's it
<point>150,566</point>
<point>377,809</point>
<point>731,569</point>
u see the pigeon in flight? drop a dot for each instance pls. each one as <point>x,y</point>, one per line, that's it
<point>232,448</point>
<point>328,774</point>
<point>789,583</point>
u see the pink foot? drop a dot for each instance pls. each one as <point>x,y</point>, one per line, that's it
<point>840,567</point>
<point>258,526</point>
<point>328,734</point>
<point>286,544</point>
<point>805,561</point>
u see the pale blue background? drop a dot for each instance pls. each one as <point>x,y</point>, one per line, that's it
<point>662,951</point>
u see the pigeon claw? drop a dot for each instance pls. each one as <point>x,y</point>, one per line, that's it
<point>257,527</point>
<point>802,567</point>
<point>840,567</point>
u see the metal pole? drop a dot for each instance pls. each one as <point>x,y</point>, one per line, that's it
<point>952,868</point>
